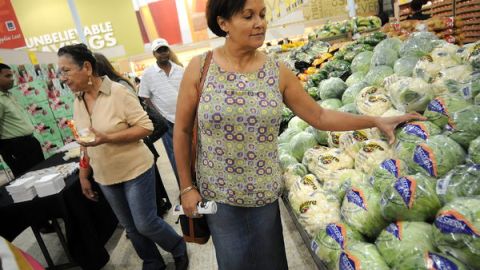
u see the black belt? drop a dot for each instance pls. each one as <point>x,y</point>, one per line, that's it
<point>16,139</point>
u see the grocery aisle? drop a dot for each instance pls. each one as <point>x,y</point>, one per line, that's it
<point>202,257</point>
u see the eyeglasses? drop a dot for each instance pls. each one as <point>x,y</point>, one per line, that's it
<point>65,73</point>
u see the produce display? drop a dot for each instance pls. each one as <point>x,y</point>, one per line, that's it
<point>410,205</point>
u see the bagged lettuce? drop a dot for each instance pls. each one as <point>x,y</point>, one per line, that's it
<point>401,240</point>
<point>464,125</point>
<point>371,154</point>
<point>331,88</point>
<point>330,241</point>
<point>328,161</point>
<point>352,91</point>
<point>286,160</point>
<point>456,230</point>
<point>300,143</point>
<point>417,131</point>
<point>440,109</point>
<point>418,45</point>
<point>405,65</point>
<point>320,135</point>
<point>436,156</point>
<point>426,69</point>
<point>360,255</point>
<point>312,154</point>
<point>410,198</point>
<point>410,94</point>
<point>287,135</point>
<point>474,150</point>
<point>334,138</point>
<point>361,210</point>
<point>462,181</point>
<point>361,62</point>
<point>293,173</point>
<point>377,74</point>
<point>352,141</point>
<point>340,181</point>
<point>387,173</point>
<point>428,260</point>
<point>456,80</point>
<point>372,101</point>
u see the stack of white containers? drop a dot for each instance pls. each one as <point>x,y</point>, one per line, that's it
<point>49,184</point>
<point>22,189</point>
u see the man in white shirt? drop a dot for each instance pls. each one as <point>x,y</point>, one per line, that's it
<point>159,86</point>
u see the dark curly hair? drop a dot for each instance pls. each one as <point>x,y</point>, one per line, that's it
<point>80,54</point>
<point>223,8</point>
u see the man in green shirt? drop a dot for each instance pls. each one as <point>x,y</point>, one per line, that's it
<point>20,150</point>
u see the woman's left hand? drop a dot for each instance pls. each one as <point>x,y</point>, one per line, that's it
<point>388,124</point>
<point>100,138</point>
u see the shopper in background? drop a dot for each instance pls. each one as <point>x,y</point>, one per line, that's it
<point>159,86</point>
<point>239,116</point>
<point>105,68</point>
<point>120,161</point>
<point>417,14</point>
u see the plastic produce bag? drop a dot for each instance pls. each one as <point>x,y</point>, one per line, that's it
<point>428,260</point>
<point>355,78</point>
<point>371,154</point>
<point>302,188</point>
<point>464,125</point>
<point>361,255</point>
<point>376,75</point>
<point>297,122</point>
<point>410,198</point>
<point>300,143</point>
<point>462,181</point>
<point>443,56</point>
<point>417,131</point>
<point>328,161</point>
<point>401,240</point>
<point>387,173</point>
<point>293,173</point>
<point>320,135</point>
<point>440,109</point>
<point>372,101</point>
<point>331,88</point>
<point>352,91</point>
<point>474,150</point>
<point>389,43</point>
<point>334,138</point>
<point>457,230</point>
<point>456,80</point>
<point>340,181</point>
<point>418,45</point>
<point>288,134</point>
<point>361,62</point>
<point>352,141</point>
<point>330,241</point>
<point>436,156</point>
<point>476,100</point>
<point>426,69</point>
<point>286,160</point>
<point>383,57</point>
<point>410,94</point>
<point>349,108</point>
<point>332,103</point>
<point>312,154</point>
<point>361,210</point>
<point>405,65</point>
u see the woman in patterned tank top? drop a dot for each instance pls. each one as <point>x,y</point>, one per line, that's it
<point>239,115</point>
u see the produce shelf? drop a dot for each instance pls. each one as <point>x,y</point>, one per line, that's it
<point>306,238</point>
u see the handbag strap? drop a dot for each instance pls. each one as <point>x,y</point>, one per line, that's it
<point>203,71</point>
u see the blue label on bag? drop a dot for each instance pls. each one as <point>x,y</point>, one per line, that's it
<point>348,262</point>
<point>417,129</point>
<point>392,166</point>
<point>357,197</point>
<point>406,187</point>
<point>437,262</point>
<point>395,229</point>
<point>453,222</point>
<point>338,233</point>
<point>425,158</point>
<point>438,105</point>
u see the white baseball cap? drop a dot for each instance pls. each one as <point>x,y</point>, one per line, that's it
<point>159,42</point>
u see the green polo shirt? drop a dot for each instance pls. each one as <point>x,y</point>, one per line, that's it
<point>14,121</point>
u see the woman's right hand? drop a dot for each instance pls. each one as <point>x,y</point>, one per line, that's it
<point>87,190</point>
<point>190,201</point>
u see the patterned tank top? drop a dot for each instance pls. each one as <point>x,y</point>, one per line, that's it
<point>239,117</point>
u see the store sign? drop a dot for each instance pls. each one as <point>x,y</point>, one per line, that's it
<point>10,33</point>
<point>320,9</point>
<point>367,7</point>
<point>98,36</point>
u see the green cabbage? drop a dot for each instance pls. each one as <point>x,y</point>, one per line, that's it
<point>477,100</point>
<point>456,230</point>
<point>384,57</point>
<point>288,134</point>
<point>371,154</point>
<point>464,126</point>
<point>300,143</point>
<point>361,255</point>
<point>417,131</point>
<point>297,122</point>
<point>355,78</point>
<point>462,181</point>
<point>377,74</point>
<point>389,43</point>
<point>349,108</point>
<point>428,260</point>
<point>313,92</point>
<point>352,92</point>
<point>372,101</point>
<point>286,160</point>
<point>436,156</point>
<point>417,46</point>
<point>361,210</point>
<point>320,135</point>
<point>330,241</point>
<point>440,109</point>
<point>474,150</point>
<point>410,198</point>
<point>410,94</point>
<point>361,62</point>
<point>401,240</point>
<point>332,103</point>
<point>405,65</point>
<point>283,148</point>
<point>387,173</point>
<point>340,181</point>
<point>331,88</point>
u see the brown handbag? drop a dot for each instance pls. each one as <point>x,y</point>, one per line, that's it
<point>195,230</point>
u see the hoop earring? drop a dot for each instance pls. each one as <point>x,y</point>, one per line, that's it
<point>90,80</point>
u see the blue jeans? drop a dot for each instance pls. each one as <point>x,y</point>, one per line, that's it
<point>167,140</point>
<point>248,237</point>
<point>133,202</point>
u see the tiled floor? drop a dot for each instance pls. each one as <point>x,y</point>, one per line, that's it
<point>202,257</point>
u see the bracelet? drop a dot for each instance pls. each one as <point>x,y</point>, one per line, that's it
<point>187,189</point>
